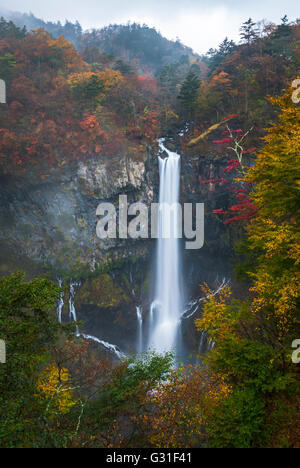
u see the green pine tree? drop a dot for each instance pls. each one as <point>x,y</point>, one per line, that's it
<point>189,93</point>
<point>249,32</point>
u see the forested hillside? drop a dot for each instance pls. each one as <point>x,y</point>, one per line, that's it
<point>78,102</point>
<point>60,108</point>
<point>113,104</point>
<point>144,47</point>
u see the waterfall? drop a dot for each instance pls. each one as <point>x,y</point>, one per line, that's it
<point>201,348</point>
<point>61,302</point>
<point>194,305</point>
<point>72,310</point>
<point>205,345</point>
<point>139,329</point>
<point>114,349</point>
<point>73,317</point>
<point>166,307</point>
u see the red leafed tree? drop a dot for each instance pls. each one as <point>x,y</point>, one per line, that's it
<point>244,209</point>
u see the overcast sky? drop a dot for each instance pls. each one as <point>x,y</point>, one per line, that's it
<point>200,24</point>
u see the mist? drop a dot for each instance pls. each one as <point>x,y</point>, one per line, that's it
<point>198,24</point>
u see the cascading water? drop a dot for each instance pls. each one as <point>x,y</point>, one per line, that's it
<point>114,349</point>
<point>61,302</point>
<point>139,329</point>
<point>201,348</point>
<point>205,345</point>
<point>72,310</point>
<point>73,317</point>
<point>166,308</point>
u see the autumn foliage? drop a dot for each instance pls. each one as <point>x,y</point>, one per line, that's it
<point>59,110</point>
<point>58,390</point>
<point>254,337</point>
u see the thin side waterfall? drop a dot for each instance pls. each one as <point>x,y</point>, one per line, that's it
<point>114,349</point>
<point>201,349</point>
<point>139,340</point>
<point>61,302</point>
<point>166,308</point>
<point>205,346</point>
<point>73,316</point>
<point>72,310</point>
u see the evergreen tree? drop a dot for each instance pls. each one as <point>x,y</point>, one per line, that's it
<point>280,44</point>
<point>29,327</point>
<point>189,93</point>
<point>123,67</point>
<point>9,30</point>
<point>249,32</point>
<point>217,56</point>
<point>7,67</point>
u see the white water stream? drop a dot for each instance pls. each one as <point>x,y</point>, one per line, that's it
<point>139,340</point>
<point>166,307</point>
<point>73,317</point>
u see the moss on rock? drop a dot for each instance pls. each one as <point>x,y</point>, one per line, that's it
<point>101,292</point>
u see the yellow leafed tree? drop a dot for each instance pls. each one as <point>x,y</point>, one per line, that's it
<point>55,385</point>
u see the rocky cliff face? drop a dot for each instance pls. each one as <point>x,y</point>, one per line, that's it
<point>53,221</point>
<point>48,225</point>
